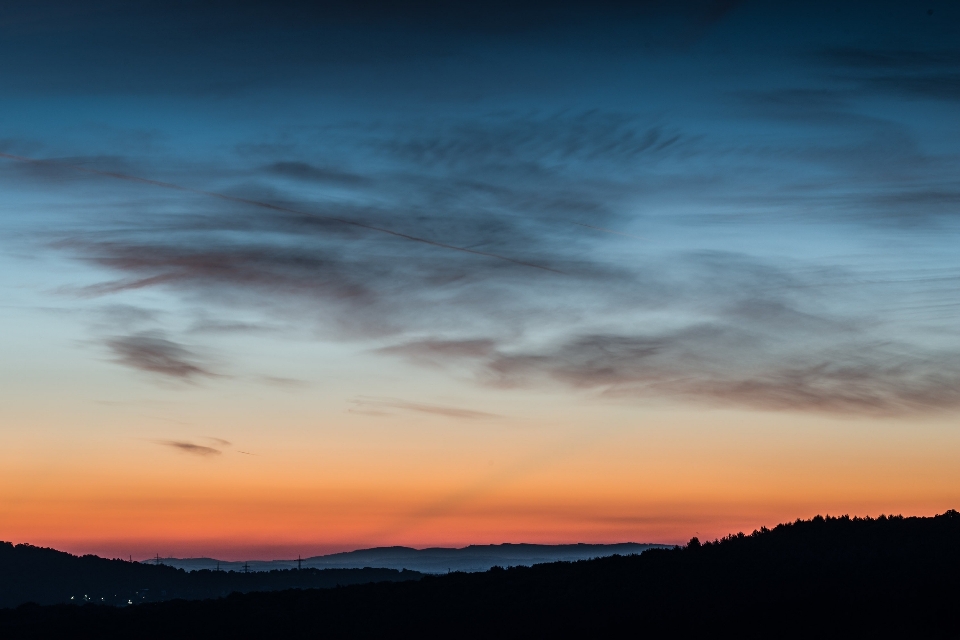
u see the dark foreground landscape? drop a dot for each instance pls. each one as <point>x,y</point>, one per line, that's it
<point>826,577</point>
<point>46,576</point>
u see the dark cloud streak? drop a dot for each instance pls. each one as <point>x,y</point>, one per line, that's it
<point>276,207</point>
<point>153,353</point>
<point>189,447</point>
<point>376,403</point>
<point>711,365</point>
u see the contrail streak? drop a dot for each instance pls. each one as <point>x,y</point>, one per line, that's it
<point>276,207</point>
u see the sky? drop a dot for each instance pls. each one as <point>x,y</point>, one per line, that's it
<point>280,279</point>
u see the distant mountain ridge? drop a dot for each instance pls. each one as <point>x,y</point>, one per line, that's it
<point>472,558</point>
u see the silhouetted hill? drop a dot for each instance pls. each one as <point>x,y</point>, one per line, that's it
<point>476,557</point>
<point>826,577</point>
<point>47,576</point>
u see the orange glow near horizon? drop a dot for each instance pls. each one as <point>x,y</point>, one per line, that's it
<point>674,475</point>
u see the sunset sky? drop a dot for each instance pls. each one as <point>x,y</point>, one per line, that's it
<point>280,280</point>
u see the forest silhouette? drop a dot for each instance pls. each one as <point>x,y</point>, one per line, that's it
<point>47,576</point>
<point>828,577</point>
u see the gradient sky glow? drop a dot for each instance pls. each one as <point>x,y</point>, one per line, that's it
<point>280,280</point>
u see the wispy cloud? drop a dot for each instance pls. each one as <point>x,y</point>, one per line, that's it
<point>153,353</point>
<point>724,366</point>
<point>189,447</point>
<point>375,406</point>
<point>739,333</point>
<point>756,237</point>
<point>743,332</point>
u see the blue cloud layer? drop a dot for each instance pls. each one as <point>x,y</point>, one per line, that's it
<point>715,203</point>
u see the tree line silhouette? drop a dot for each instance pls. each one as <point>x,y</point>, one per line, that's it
<point>47,576</point>
<point>825,577</point>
